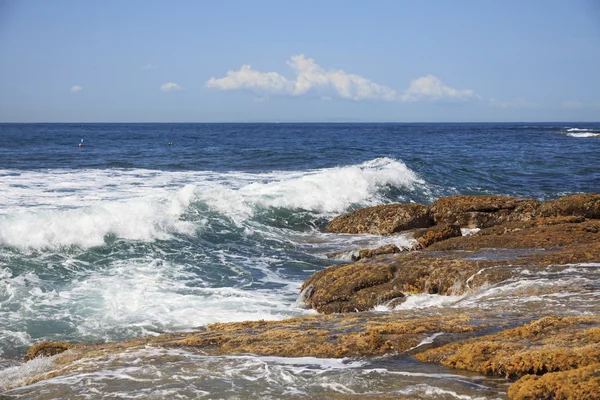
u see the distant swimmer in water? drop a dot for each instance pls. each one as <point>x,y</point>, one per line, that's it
<point>81,143</point>
<point>170,143</point>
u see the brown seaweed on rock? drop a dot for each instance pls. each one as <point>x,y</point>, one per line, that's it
<point>47,349</point>
<point>382,220</point>
<point>540,234</point>
<point>481,211</point>
<point>577,384</point>
<point>339,335</point>
<point>438,233</point>
<point>550,344</point>
<point>583,205</point>
<point>365,284</point>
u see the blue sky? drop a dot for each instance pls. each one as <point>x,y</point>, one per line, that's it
<point>211,61</point>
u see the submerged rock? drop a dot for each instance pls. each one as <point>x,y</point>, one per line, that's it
<point>382,220</point>
<point>325,336</point>
<point>481,211</point>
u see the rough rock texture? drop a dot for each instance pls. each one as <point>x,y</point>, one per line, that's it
<point>481,211</point>
<point>550,344</point>
<point>583,205</point>
<point>377,281</point>
<point>368,283</point>
<point>382,220</point>
<point>47,349</point>
<point>368,253</point>
<point>435,234</point>
<point>578,384</point>
<point>528,234</point>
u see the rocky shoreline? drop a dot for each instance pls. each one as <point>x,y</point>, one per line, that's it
<point>544,353</point>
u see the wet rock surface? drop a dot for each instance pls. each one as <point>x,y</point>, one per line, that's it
<point>481,211</point>
<point>554,357</point>
<point>382,220</point>
<point>47,349</point>
<point>427,237</point>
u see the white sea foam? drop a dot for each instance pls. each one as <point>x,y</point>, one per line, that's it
<point>432,392</point>
<point>181,373</point>
<point>15,376</point>
<point>424,300</point>
<point>136,297</point>
<point>427,340</point>
<point>469,231</point>
<point>578,130</point>
<point>55,208</point>
<point>582,132</point>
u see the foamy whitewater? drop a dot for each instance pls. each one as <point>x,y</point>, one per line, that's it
<point>128,237</point>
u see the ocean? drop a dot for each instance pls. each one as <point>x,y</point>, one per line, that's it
<point>129,236</point>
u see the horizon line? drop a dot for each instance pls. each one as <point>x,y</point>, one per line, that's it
<point>299,122</point>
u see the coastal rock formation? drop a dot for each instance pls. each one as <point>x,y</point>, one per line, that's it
<point>368,283</point>
<point>548,233</point>
<point>577,384</point>
<point>565,351</point>
<point>382,220</point>
<point>481,211</point>
<point>427,237</point>
<point>386,280</point>
<point>549,344</point>
<point>583,205</point>
<point>368,253</point>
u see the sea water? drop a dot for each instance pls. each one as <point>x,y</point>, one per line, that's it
<point>128,236</point>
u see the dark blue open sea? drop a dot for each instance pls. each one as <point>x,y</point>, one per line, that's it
<point>128,236</point>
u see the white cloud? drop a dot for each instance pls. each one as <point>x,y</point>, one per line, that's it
<point>247,78</point>
<point>170,87</point>
<point>309,76</point>
<point>76,89</point>
<point>431,87</point>
<point>150,66</point>
<point>347,86</point>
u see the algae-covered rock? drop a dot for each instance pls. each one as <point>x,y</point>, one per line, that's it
<point>382,220</point>
<point>527,235</point>
<point>47,349</point>
<point>368,253</point>
<point>325,336</point>
<point>549,344</point>
<point>584,205</point>
<point>427,237</point>
<point>577,384</point>
<point>349,288</point>
<point>481,211</point>
<point>378,281</point>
